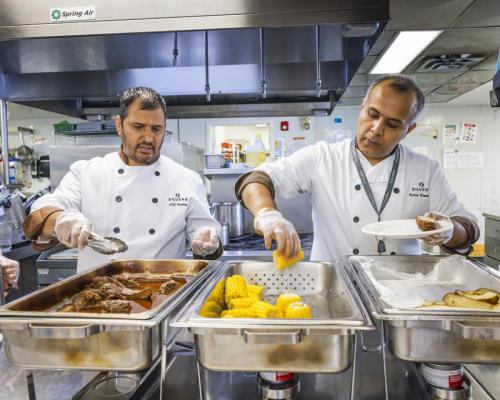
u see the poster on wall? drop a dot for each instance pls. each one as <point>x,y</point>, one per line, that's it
<point>451,135</point>
<point>470,159</point>
<point>450,158</point>
<point>468,133</point>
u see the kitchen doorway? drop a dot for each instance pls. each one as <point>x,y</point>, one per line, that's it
<point>225,138</point>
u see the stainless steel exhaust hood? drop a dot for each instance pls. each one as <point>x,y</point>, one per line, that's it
<point>82,66</point>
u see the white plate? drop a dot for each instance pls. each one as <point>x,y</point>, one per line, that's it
<point>401,229</point>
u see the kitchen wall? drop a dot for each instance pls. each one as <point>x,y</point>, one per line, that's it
<point>478,189</point>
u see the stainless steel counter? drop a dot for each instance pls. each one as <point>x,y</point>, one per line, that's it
<point>488,376</point>
<point>403,381</point>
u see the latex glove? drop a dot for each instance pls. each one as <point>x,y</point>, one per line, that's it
<point>205,241</point>
<point>73,228</point>
<point>439,238</point>
<point>272,225</point>
<point>10,272</point>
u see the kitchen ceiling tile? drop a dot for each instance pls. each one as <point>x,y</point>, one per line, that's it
<point>425,14</point>
<point>482,13</point>
<point>455,89</point>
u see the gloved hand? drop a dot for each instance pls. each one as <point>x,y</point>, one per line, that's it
<point>10,272</point>
<point>271,224</point>
<point>439,238</point>
<point>205,241</point>
<point>73,228</point>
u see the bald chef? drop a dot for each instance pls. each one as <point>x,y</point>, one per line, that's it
<point>356,182</point>
<point>135,194</point>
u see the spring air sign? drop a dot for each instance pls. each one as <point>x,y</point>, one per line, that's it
<point>65,14</point>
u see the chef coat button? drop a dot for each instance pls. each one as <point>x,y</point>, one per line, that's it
<point>157,173</point>
<point>118,198</point>
<point>355,251</point>
<point>121,171</point>
<point>116,230</point>
<point>396,190</point>
<point>155,200</point>
<point>357,187</point>
<point>356,219</point>
<point>393,253</point>
<point>152,231</point>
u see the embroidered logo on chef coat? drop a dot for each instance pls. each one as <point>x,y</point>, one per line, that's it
<point>178,201</point>
<point>419,190</point>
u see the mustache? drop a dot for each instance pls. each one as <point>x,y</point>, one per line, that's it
<point>371,140</point>
<point>148,145</point>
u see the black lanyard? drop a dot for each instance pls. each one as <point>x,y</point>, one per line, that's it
<point>368,190</point>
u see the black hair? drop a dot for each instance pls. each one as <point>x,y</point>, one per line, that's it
<point>149,100</point>
<point>402,83</point>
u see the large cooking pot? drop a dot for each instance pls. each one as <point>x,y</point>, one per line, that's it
<point>231,214</point>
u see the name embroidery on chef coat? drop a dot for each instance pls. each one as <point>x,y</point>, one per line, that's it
<point>178,201</point>
<point>419,190</point>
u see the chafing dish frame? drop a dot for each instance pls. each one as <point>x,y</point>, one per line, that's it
<point>443,336</point>
<point>268,339</point>
<point>148,333</point>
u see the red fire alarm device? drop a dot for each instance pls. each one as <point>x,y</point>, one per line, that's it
<point>284,125</point>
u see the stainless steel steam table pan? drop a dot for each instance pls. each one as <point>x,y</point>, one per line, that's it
<point>34,338</point>
<point>433,335</point>
<point>321,344</point>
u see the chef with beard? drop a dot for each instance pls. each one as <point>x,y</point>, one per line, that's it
<point>135,194</point>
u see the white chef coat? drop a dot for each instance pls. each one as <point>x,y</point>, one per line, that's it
<point>340,206</point>
<point>153,208</point>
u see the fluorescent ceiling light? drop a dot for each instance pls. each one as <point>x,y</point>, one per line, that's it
<point>261,125</point>
<point>402,51</point>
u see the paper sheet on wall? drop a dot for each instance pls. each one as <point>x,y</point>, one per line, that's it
<point>451,135</point>
<point>470,159</point>
<point>468,133</point>
<point>450,158</point>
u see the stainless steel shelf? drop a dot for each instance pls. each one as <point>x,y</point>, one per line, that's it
<point>226,171</point>
<point>86,133</point>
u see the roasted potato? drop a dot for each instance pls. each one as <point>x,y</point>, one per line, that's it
<point>455,300</point>
<point>433,304</point>
<point>487,296</point>
<point>484,290</point>
<point>426,223</point>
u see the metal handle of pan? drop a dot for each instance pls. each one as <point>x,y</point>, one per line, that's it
<point>42,331</point>
<point>482,331</point>
<point>366,349</point>
<point>279,337</point>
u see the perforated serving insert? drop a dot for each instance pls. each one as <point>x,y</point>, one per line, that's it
<point>279,282</point>
<point>316,283</point>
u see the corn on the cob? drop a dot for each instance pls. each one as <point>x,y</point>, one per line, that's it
<point>236,287</point>
<point>210,309</point>
<point>266,310</point>
<point>255,290</point>
<point>239,313</point>
<point>286,299</point>
<point>298,310</point>
<point>217,294</point>
<point>242,302</point>
<point>282,263</point>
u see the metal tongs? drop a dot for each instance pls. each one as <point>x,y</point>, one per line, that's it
<point>106,245</point>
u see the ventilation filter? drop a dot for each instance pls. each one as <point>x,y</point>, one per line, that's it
<point>449,62</point>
